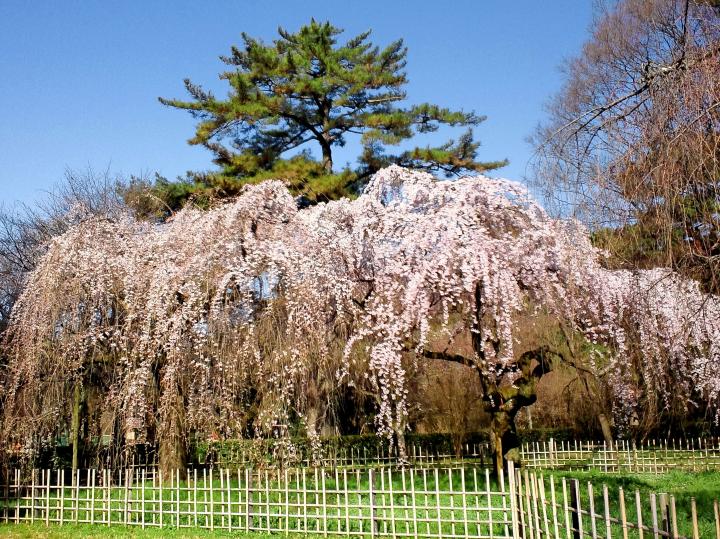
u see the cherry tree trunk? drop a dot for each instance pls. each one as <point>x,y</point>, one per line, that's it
<point>173,450</point>
<point>503,438</point>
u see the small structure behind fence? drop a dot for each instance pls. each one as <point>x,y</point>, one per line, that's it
<point>623,456</point>
<point>455,502</point>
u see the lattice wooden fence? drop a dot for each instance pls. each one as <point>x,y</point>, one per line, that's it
<point>455,502</point>
<point>623,456</point>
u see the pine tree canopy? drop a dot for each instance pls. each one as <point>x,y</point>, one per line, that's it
<point>309,89</point>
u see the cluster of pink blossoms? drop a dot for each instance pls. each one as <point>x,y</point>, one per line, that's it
<point>255,302</point>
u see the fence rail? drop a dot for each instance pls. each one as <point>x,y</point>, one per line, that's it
<point>455,502</point>
<point>623,456</point>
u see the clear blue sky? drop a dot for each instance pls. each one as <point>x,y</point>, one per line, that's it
<point>79,81</point>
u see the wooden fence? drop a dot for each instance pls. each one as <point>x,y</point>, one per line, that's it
<point>428,502</point>
<point>567,509</point>
<point>622,456</point>
<point>455,502</point>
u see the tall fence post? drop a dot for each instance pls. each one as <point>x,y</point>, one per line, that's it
<point>248,505</point>
<point>371,498</point>
<point>513,501</point>
<point>576,509</point>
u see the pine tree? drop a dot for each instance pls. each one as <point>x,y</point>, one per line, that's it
<point>308,87</point>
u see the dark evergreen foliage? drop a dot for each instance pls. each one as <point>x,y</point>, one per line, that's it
<point>309,88</point>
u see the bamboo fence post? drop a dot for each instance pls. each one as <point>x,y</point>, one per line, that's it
<point>488,496</point>
<point>405,502</point>
<point>47,497</point>
<point>32,495</point>
<point>535,497</point>
<point>513,501</point>
<point>92,496</point>
<point>222,498</point>
<point>16,477</point>
<point>606,503</point>
<point>425,502</point>
<point>287,499</point>
<point>553,499</point>
<point>154,504</point>
<point>195,506</point>
<point>623,514</point>
<point>142,501</point>
<point>591,501</point>
<point>177,498</point>
<point>665,513</point>
<point>324,502</point>
<point>522,507</point>
<point>717,519</point>
<point>347,501</point>
<point>528,507</point>
<point>127,496</point>
<point>653,514</point>
<point>464,501</point>
<point>392,502</point>
<point>212,501</point>
<point>160,498</point>
<point>577,514</point>
<point>371,502</point>
<point>638,512</point>
<point>413,501</point>
<point>248,516</point>
<point>304,487</point>
<point>267,500</point>
<point>673,518</point>
<point>543,503</point>
<point>58,487</point>
<point>693,512</point>
<point>437,503</point>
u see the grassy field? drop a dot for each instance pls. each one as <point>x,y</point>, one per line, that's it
<point>429,505</point>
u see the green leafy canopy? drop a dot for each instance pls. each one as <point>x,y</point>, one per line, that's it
<point>309,88</point>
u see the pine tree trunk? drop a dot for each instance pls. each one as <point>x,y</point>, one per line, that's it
<point>327,156</point>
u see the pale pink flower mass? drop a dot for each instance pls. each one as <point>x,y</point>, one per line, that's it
<point>255,299</point>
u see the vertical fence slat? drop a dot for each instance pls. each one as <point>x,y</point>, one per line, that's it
<point>623,514</point>
<point>577,507</point>
<point>591,502</point>
<point>638,513</point>
<point>553,500</point>
<point>606,505</point>
<point>693,514</point>
<point>513,500</point>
